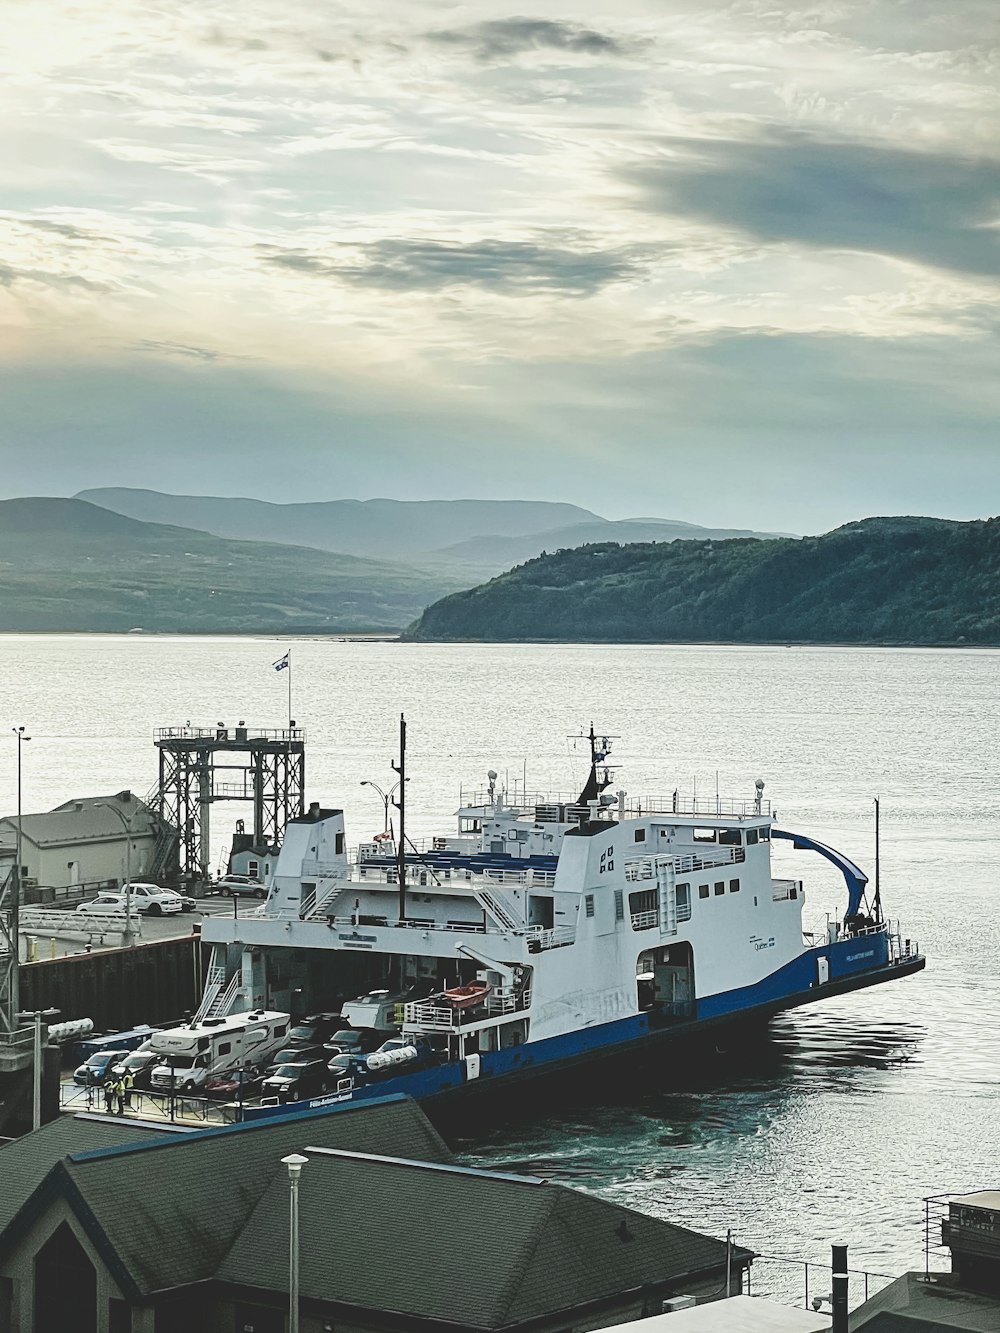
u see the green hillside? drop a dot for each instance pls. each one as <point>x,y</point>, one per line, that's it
<point>71,566</point>
<point>883,580</point>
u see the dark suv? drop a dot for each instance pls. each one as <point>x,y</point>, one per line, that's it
<point>295,1055</point>
<point>294,1083</point>
<point>314,1030</point>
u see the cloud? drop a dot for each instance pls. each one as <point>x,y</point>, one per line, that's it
<point>509,267</point>
<point>786,185</point>
<point>500,39</point>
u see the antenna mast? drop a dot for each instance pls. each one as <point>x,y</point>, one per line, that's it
<point>400,804</point>
<point>877,902</point>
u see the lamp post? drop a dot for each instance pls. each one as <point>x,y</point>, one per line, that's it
<point>36,1082</point>
<point>295,1162</point>
<point>128,939</point>
<point>15,905</point>
<point>386,798</point>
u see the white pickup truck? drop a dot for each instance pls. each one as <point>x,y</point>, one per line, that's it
<point>193,1052</point>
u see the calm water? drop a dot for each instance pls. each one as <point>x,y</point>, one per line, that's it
<point>849,1112</point>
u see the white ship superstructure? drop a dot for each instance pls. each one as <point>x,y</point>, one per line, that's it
<point>543,932</point>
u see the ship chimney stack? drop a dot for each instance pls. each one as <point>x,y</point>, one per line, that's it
<point>839,1296</point>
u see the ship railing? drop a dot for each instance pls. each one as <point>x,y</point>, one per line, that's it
<point>422,876</point>
<point>322,869</point>
<point>432,1015</point>
<point>365,920</point>
<point>549,937</point>
<point>676,804</point>
<point>784,889</point>
<point>645,920</point>
<point>638,868</point>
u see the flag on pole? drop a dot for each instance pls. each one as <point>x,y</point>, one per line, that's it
<point>283,662</point>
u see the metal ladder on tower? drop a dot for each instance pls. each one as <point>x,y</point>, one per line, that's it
<point>666,895</point>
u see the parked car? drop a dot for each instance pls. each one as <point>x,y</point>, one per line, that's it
<point>236,1085</point>
<point>353,1041</point>
<point>241,886</point>
<point>315,1029</point>
<point>295,1055</point>
<point>293,1083</point>
<point>188,904</point>
<point>146,899</point>
<point>96,1068</point>
<point>140,1065</point>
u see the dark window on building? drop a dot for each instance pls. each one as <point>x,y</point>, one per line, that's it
<point>640,835</point>
<point>734,886</point>
<point>65,1284</point>
<point>730,837</point>
<point>720,886</point>
<point>702,890</point>
<point>119,1316</point>
<point>619,905</point>
<point>338,844</point>
<point>704,835</point>
<point>752,835</point>
<point>588,904</point>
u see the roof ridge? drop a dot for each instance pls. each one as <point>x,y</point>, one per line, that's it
<point>505,1298</point>
<point>448,1167</point>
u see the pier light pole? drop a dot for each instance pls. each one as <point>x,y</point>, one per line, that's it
<point>386,798</point>
<point>36,1017</point>
<point>15,902</point>
<point>128,939</point>
<point>295,1162</point>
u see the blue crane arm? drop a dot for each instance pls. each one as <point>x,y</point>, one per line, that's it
<point>856,879</point>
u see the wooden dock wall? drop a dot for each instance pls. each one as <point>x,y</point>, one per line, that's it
<point>119,988</point>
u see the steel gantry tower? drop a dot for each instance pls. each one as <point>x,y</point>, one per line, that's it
<point>202,765</point>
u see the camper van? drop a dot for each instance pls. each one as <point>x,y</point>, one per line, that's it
<point>195,1051</point>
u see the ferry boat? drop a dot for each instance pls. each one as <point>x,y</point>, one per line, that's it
<point>544,933</point>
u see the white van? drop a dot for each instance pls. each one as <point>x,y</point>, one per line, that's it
<point>194,1052</point>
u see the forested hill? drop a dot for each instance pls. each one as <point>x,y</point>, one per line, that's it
<point>882,580</point>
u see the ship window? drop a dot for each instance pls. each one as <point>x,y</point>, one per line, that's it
<point>702,890</point>
<point>588,905</point>
<point>640,835</point>
<point>704,835</point>
<point>734,886</point>
<point>730,837</point>
<point>683,892</point>
<point>338,844</point>
<point>765,834</point>
<point>720,886</point>
<point>619,905</point>
<point>752,834</point>
<point>643,900</point>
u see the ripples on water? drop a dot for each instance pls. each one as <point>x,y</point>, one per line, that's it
<point>832,1125</point>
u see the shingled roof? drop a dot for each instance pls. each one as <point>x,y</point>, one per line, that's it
<point>476,1248</point>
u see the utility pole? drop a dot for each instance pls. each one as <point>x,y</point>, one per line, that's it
<point>10,919</point>
<point>128,939</point>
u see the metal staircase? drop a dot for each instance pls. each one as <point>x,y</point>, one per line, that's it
<point>318,904</point>
<point>501,909</point>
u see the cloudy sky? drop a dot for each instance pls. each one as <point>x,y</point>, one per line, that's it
<point>725,262</point>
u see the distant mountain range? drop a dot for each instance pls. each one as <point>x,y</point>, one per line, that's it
<point>66,565</point>
<point>473,539</point>
<point>882,580</point>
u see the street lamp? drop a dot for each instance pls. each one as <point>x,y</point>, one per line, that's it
<point>295,1162</point>
<point>127,938</point>
<point>36,1083</point>
<point>15,906</point>
<point>386,798</point>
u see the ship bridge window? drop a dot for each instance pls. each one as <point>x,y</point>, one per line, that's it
<point>734,886</point>
<point>470,826</point>
<point>640,835</point>
<point>752,835</point>
<point>338,844</point>
<point>720,886</point>
<point>764,834</point>
<point>702,890</point>
<point>704,835</point>
<point>730,837</point>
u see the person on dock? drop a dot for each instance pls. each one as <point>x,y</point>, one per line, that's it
<point>109,1095</point>
<point>127,1080</point>
<point>120,1095</point>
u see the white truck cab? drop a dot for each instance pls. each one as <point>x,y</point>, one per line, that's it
<point>193,1052</point>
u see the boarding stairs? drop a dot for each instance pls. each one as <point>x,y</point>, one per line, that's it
<point>318,902</point>
<point>220,995</point>
<point>500,907</point>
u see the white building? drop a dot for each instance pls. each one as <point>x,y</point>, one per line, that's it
<point>93,841</point>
